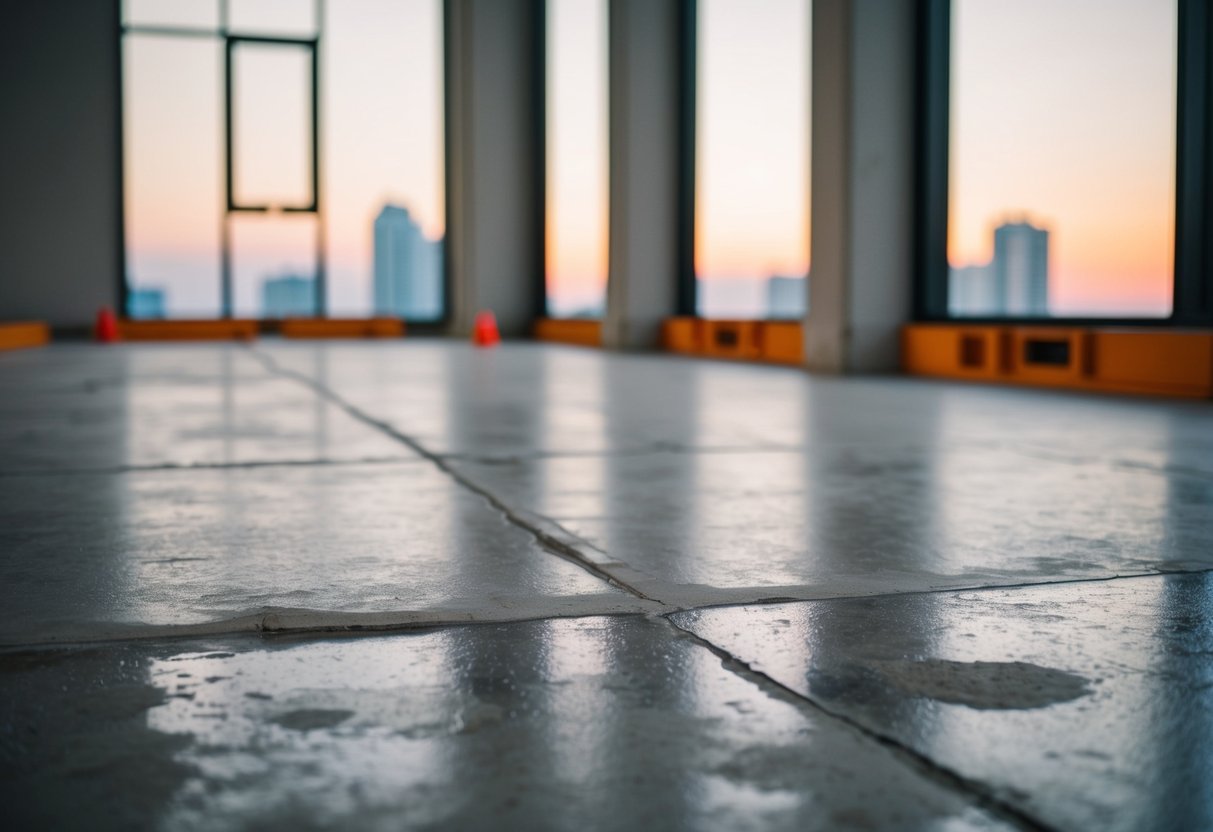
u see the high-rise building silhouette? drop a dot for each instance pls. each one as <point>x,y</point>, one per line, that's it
<point>1021,269</point>
<point>408,267</point>
<point>288,296</point>
<point>787,297</point>
<point>145,302</point>
<point>971,291</point>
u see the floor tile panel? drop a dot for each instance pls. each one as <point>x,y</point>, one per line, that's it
<point>82,555</point>
<point>1086,705</point>
<point>598,723</point>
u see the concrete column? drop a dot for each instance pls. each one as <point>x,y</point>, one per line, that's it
<point>863,135</point>
<point>61,214</point>
<point>645,176</point>
<point>495,55</point>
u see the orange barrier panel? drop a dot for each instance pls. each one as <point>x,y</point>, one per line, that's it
<point>20,335</point>
<point>682,335</point>
<point>578,331</point>
<point>1049,356</point>
<point>781,341</point>
<point>235,329</point>
<point>1164,362</point>
<point>976,352</point>
<point>730,339</point>
<point>1153,362</point>
<point>341,328</point>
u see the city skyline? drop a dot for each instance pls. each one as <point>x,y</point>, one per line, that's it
<point>1089,154</point>
<point>1015,282</point>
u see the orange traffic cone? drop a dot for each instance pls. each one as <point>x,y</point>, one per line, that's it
<point>484,331</point>
<point>106,331</point>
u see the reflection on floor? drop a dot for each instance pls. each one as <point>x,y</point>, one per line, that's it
<point>414,585</point>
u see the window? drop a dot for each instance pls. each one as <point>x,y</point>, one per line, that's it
<point>576,230</point>
<point>281,164</point>
<point>752,158</point>
<point>1061,168</point>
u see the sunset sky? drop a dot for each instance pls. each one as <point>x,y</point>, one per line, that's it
<point>577,165</point>
<point>1065,113</point>
<point>381,100</point>
<point>752,150</point>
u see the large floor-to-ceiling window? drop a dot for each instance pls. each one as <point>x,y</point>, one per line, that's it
<point>1061,169</point>
<point>284,158</point>
<point>752,158</point>
<point>577,166</point>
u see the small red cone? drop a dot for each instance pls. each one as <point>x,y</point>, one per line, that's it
<point>106,331</point>
<point>484,331</point>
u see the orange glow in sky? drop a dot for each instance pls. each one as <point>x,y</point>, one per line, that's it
<point>381,141</point>
<point>1065,113</point>
<point>752,139</point>
<point>577,165</point>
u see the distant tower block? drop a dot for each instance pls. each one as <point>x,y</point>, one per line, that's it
<point>1021,269</point>
<point>408,267</point>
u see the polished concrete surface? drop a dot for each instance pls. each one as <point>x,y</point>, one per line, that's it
<point>592,590</point>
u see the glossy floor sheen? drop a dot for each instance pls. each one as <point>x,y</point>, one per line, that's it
<point>594,591</point>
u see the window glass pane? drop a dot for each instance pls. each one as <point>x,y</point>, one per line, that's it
<point>752,152</point>
<point>1062,158</point>
<point>273,265</point>
<point>173,175</point>
<point>283,18</point>
<point>382,153</point>
<point>577,163</point>
<point>199,14</point>
<point>271,125</point>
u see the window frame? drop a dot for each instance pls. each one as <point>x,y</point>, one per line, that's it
<point>1192,270</point>
<point>229,38</point>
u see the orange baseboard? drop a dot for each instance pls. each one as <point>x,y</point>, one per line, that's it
<point>235,329</point>
<point>780,342</point>
<point>578,331</point>
<point>20,335</point>
<point>1144,361</point>
<point>341,328</point>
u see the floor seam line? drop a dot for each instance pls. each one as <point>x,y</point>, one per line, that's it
<point>545,540</point>
<point>311,633</point>
<point>770,602</point>
<point>117,470</point>
<point>934,770</point>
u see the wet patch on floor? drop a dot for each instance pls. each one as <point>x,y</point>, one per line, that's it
<point>311,719</point>
<point>985,685</point>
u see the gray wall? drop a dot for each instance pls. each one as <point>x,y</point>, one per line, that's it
<point>863,180</point>
<point>59,154</point>
<point>644,165</point>
<point>496,171</point>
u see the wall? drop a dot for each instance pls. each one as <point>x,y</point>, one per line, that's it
<point>59,154</point>
<point>863,184</point>
<point>644,159</point>
<point>496,161</point>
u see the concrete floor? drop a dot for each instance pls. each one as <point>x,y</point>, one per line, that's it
<point>413,585</point>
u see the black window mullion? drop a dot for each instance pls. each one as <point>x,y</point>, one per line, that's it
<point>1193,303</point>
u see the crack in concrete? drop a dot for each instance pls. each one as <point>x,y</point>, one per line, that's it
<point>545,540</point>
<point>954,781</point>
